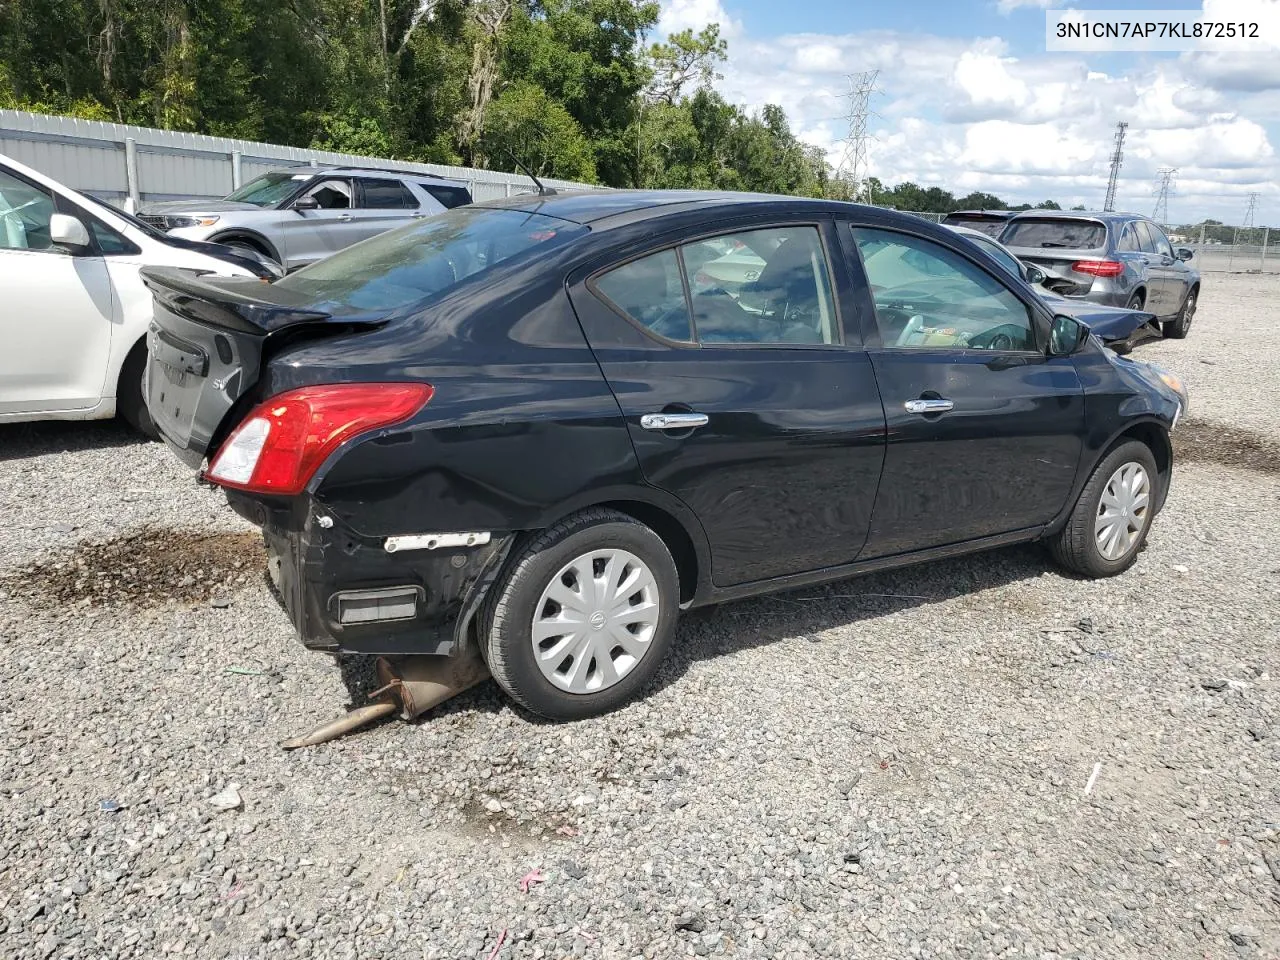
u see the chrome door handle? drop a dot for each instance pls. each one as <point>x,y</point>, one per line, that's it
<point>674,421</point>
<point>928,406</point>
<point>345,218</point>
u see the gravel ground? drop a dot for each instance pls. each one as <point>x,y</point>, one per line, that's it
<point>895,766</point>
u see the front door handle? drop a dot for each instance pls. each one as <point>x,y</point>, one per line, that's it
<point>345,218</point>
<point>929,406</point>
<point>674,421</point>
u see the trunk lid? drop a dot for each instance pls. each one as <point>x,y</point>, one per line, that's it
<point>206,346</point>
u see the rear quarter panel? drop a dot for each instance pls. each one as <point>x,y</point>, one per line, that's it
<point>521,428</point>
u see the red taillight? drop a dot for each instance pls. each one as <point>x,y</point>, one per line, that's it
<point>1099,268</point>
<point>283,441</point>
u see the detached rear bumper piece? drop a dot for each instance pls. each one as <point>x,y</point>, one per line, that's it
<point>345,593</point>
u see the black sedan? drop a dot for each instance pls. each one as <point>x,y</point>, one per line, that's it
<point>529,425</point>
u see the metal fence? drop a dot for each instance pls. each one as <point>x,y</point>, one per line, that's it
<point>114,161</point>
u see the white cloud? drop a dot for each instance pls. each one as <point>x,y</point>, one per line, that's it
<point>1008,6</point>
<point>965,114</point>
<point>693,15</point>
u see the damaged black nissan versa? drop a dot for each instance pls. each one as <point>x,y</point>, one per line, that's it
<point>546,425</point>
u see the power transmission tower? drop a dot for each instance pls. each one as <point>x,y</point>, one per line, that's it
<point>1243,228</point>
<point>1117,158</point>
<point>1161,215</point>
<point>853,163</point>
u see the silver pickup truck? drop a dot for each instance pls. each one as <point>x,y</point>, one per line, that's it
<point>302,214</point>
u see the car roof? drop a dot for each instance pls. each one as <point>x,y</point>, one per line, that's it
<point>411,174</point>
<point>998,214</point>
<point>615,207</point>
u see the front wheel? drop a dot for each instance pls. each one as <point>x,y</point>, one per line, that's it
<point>583,617</point>
<point>1109,524</point>
<point>130,399</point>
<point>1180,326</point>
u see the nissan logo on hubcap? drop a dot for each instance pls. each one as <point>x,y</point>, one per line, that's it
<point>597,620</point>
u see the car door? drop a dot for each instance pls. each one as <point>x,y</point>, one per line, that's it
<point>1159,278</point>
<point>1175,277</point>
<point>56,318</point>
<point>311,235</point>
<point>382,203</point>
<point>742,396</point>
<point>983,427</point>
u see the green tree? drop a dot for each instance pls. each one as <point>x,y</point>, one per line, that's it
<point>524,122</point>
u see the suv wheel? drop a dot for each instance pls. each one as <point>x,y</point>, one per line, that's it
<point>583,616</point>
<point>1136,302</point>
<point>1109,524</point>
<point>1180,326</point>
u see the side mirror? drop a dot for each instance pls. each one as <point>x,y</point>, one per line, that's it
<point>67,231</point>
<point>1066,336</point>
<point>306,203</point>
<point>1032,274</point>
<point>1185,254</point>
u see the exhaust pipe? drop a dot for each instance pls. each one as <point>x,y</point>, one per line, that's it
<point>410,687</point>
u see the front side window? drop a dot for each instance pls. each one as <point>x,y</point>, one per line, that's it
<point>425,258</point>
<point>928,297</point>
<point>25,211</point>
<point>999,254</point>
<point>332,194</point>
<point>386,195</point>
<point>767,286</point>
<point>1146,242</point>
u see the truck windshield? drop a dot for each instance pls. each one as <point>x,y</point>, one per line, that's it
<point>269,189</point>
<point>426,258</point>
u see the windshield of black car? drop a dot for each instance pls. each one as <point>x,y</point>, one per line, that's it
<point>991,226</point>
<point>426,258</point>
<point>1048,233</point>
<point>268,189</point>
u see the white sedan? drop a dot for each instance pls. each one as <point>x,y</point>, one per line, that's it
<point>74,312</point>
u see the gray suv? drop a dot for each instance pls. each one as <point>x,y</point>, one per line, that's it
<point>1116,259</point>
<point>298,215</point>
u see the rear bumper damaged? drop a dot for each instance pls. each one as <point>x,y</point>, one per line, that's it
<point>345,593</point>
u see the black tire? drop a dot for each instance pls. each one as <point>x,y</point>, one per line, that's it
<point>130,403</point>
<point>1136,302</point>
<point>1075,547</point>
<point>1180,326</point>
<point>237,243</point>
<point>506,634</point>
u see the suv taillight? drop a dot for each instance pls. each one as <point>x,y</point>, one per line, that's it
<point>1099,268</point>
<point>283,441</point>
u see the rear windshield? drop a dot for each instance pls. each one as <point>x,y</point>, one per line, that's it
<point>425,258</point>
<point>1047,233</point>
<point>991,226</point>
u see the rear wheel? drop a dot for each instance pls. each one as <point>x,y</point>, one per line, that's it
<point>1180,326</point>
<point>1110,521</point>
<point>583,616</point>
<point>1136,301</point>
<point>131,403</point>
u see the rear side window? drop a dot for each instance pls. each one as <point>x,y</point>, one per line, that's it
<point>1146,242</point>
<point>1048,233</point>
<point>386,195</point>
<point>754,287</point>
<point>1128,240</point>
<point>426,258</point>
<point>449,197</point>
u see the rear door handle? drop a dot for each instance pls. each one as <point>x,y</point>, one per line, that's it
<point>674,421</point>
<point>928,406</point>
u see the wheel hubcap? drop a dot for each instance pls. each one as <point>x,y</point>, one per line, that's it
<point>1122,512</point>
<point>595,621</point>
<point>1189,311</point>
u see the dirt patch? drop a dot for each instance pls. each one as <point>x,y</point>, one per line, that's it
<point>145,569</point>
<point>1201,441</point>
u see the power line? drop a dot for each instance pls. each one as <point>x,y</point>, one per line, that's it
<point>853,163</point>
<point>1117,158</point>
<point>1163,191</point>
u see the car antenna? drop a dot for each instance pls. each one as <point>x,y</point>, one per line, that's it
<point>543,191</point>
